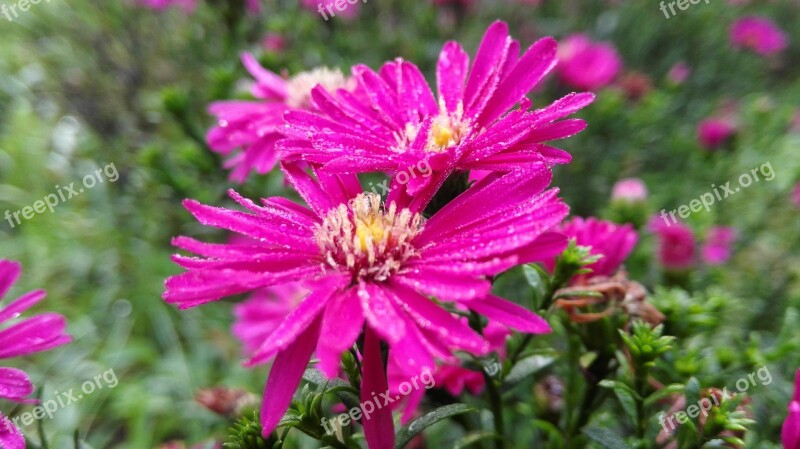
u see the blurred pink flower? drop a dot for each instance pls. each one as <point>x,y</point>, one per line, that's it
<point>28,336</point>
<point>758,34</point>
<point>796,195</point>
<point>790,433</point>
<point>346,9</point>
<point>630,189</point>
<point>676,244</point>
<point>273,42</point>
<point>614,242</point>
<point>587,65</point>
<point>679,73</point>
<point>259,315</point>
<point>713,132</point>
<point>247,131</point>
<point>717,247</point>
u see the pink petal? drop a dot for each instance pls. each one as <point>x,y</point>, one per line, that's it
<point>14,384</point>
<point>510,314</point>
<point>285,376</point>
<point>341,326</point>
<point>378,427</point>
<point>9,273</point>
<point>10,436</point>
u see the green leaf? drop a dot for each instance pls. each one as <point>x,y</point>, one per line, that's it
<point>525,368</point>
<point>539,280</point>
<point>626,395</point>
<point>605,437</point>
<point>404,434</point>
<point>472,438</point>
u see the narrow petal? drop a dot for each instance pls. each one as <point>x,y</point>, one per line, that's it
<point>510,314</point>
<point>9,273</point>
<point>284,377</point>
<point>378,427</point>
<point>14,384</point>
<point>10,436</point>
<point>342,323</point>
<point>451,74</point>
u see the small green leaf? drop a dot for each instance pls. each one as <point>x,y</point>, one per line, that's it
<point>527,367</point>
<point>406,433</point>
<point>605,437</point>
<point>472,438</point>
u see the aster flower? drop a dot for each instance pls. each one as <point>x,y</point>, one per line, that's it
<point>676,248</point>
<point>713,132</point>
<point>790,433</point>
<point>372,267</point>
<point>246,131</point>
<point>758,34</point>
<point>400,124</point>
<point>630,190</point>
<point>31,335</point>
<point>587,65</point>
<point>612,241</point>
<point>717,247</point>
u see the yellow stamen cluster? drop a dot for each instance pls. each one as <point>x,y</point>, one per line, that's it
<point>366,239</point>
<point>299,87</point>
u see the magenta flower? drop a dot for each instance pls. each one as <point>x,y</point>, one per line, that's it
<point>259,315</point>
<point>246,131</point>
<point>630,190</point>
<point>28,336</point>
<point>796,195</point>
<point>679,73</point>
<point>676,249</point>
<point>790,433</point>
<point>612,241</point>
<point>371,265</point>
<point>758,34</point>
<point>717,247</point>
<point>400,126</point>
<point>713,132</point>
<point>587,65</point>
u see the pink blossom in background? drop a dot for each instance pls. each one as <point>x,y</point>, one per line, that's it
<point>273,42</point>
<point>21,338</point>
<point>587,65</point>
<point>676,244</point>
<point>400,126</point>
<point>614,242</point>
<point>758,34</point>
<point>367,264</point>
<point>712,133</point>
<point>254,6</point>
<point>247,131</point>
<point>790,433</point>
<point>717,247</point>
<point>456,3</point>
<point>796,195</point>
<point>630,189</point>
<point>679,73</point>
<point>259,315</point>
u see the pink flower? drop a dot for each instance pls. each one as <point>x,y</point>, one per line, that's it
<point>253,6</point>
<point>187,5</point>
<point>676,249</point>
<point>790,433</point>
<point>758,34</point>
<point>28,336</point>
<point>679,73</point>
<point>273,42</point>
<point>630,189</point>
<point>796,195</point>
<point>587,65</point>
<point>374,265</point>
<point>610,240</point>
<point>713,132</point>
<point>246,131</point>
<point>399,126</point>
<point>717,247</point>
<point>263,311</point>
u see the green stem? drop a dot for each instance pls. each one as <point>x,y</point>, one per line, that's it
<point>496,403</point>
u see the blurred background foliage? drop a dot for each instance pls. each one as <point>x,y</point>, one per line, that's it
<point>88,83</point>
